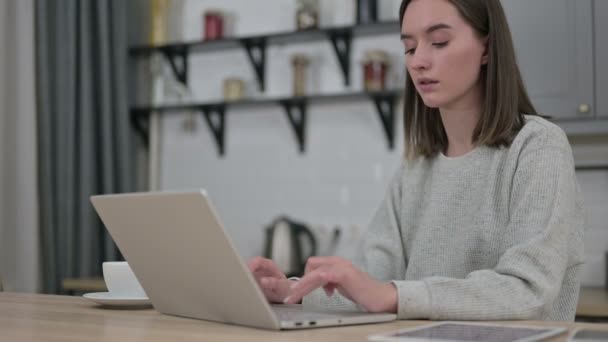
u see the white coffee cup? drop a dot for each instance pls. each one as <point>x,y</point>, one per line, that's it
<point>121,281</point>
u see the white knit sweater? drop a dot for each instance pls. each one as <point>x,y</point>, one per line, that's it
<point>494,234</point>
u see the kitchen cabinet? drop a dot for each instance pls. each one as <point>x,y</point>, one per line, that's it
<point>554,45</point>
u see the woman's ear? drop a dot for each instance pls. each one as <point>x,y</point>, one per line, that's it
<point>484,57</point>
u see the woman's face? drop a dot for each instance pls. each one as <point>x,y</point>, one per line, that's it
<point>444,54</point>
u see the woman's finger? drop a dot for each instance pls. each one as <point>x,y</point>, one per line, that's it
<point>329,289</point>
<point>307,284</point>
<point>263,266</point>
<point>275,289</point>
<point>315,262</point>
<point>254,263</point>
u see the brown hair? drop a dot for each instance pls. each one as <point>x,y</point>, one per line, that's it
<point>505,96</point>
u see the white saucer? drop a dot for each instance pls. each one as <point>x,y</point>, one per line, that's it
<point>106,298</point>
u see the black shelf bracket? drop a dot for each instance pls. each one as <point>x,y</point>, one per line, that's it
<point>385,104</point>
<point>341,41</point>
<point>256,51</point>
<point>178,59</point>
<point>215,116</point>
<point>296,113</point>
<point>141,124</point>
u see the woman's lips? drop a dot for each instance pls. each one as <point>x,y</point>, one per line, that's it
<point>426,85</point>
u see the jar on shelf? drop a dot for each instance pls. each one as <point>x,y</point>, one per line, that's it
<point>300,65</point>
<point>375,69</point>
<point>307,15</point>
<point>367,11</point>
<point>214,25</point>
<point>158,30</point>
<point>234,89</point>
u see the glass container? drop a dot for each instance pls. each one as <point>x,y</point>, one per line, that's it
<point>214,25</point>
<point>300,64</point>
<point>307,15</point>
<point>375,69</point>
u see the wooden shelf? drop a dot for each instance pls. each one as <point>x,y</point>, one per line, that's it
<point>295,109</point>
<point>279,38</point>
<point>341,37</point>
<point>177,54</point>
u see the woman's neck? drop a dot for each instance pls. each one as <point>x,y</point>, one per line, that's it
<point>459,127</point>
<point>459,123</point>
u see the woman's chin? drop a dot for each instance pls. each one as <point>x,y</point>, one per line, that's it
<point>431,102</point>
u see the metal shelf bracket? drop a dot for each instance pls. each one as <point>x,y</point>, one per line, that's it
<point>178,59</point>
<point>296,113</point>
<point>385,105</point>
<point>215,116</point>
<point>256,51</point>
<point>341,41</point>
<point>140,121</point>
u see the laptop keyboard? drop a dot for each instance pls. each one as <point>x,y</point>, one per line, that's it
<point>289,313</point>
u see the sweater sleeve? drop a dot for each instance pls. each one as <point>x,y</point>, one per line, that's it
<point>380,251</point>
<point>545,222</point>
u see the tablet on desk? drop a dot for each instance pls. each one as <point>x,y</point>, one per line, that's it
<point>589,335</point>
<point>460,331</point>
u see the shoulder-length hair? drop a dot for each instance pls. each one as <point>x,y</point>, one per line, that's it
<point>505,99</point>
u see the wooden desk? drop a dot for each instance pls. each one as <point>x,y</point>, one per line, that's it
<point>593,302</point>
<point>31,317</point>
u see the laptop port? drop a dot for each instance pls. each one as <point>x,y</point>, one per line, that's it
<point>298,324</point>
<point>312,323</point>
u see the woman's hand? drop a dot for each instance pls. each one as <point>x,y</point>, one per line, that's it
<point>271,280</point>
<point>335,273</point>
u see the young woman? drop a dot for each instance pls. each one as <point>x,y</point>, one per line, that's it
<point>484,218</point>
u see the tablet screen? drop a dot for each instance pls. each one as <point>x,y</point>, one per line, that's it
<point>474,332</point>
<point>586,335</point>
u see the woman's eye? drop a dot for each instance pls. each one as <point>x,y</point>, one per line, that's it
<point>439,45</point>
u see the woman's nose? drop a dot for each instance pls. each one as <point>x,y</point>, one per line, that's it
<point>419,59</point>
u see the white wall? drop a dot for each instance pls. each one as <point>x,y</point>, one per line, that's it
<point>343,174</point>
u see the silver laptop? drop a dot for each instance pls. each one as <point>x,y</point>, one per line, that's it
<point>189,267</point>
